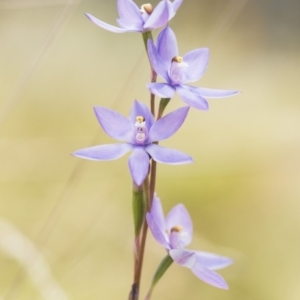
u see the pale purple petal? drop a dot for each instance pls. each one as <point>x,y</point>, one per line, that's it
<point>179,239</point>
<point>212,261</point>
<point>168,125</point>
<point>167,45</point>
<point>197,61</point>
<point>167,155</point>
<point>129,26</point>
<point>179,216</point>
<point>107,26</point>
<point>157,215</point>
<point>130,14</point>
<point>191,97</point>
<point>139,165</point>
<point>159,65</point>
<point>140,109</point>
<point>209,276</point>
<point>163,90</point>
<point>160,15</point>
<point>156,231</point>
<point>214,93</point>
<point>183,257</point>
<point>103,152</point>
<point>114,124</point>
<point>176,4</point>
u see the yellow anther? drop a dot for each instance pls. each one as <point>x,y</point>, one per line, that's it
<point>140,119</point>
<point>147,7</point>
<point>176,228</point>
<point>178,59</point>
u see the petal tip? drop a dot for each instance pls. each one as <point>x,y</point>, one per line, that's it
<point>75,153</point>
<point>225,286</point>
<point>186,109</point>
<point>189,160</point>
<point>89,16</point>
<point>78,154</point>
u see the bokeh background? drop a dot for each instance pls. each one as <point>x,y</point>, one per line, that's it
<point>65,223</point>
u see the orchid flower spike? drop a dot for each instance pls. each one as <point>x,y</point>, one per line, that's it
<point>174,233</point>
<point>135,19</point>
<point>139,132</point>
<point>177,70</point>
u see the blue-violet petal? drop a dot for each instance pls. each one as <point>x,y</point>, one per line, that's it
<point>167,155</point>
<point>191,97</point>
<point>107,26</point>
<point>103,152</point>
<point>209,276</point>
<point>139,165</point>
<point>114,124</point>
<point>197,61</point>
<point>168,125</point>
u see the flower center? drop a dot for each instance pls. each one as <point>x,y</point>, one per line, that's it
<point>176,228</point>
<point>177,70</point>
<point>178,237</point>
<point>141,132</point>
<point>146,8</point>
<point>178,59</point>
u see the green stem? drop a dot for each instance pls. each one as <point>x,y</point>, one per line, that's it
<point>152,102</point>
<point>146,36</point>
<point>138,270</point>
<point>152,183</point>
<point>138,208</point>
<point>148,193</point>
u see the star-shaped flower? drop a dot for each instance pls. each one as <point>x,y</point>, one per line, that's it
<point>177,71</point>
<point>139,132</point>
<point>174,233</point>
<point>135,19</point>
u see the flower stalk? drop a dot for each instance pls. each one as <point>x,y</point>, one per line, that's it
<point>140,258</point>
<point>141,133</point>
<point>148,36</point>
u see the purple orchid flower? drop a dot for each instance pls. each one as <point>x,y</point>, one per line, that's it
<point>135,19</point>
<point>174,233</point>
<point>177,70</point>
<point>139,132</point>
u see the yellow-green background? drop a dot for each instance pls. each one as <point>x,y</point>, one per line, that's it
<point>242,191</point>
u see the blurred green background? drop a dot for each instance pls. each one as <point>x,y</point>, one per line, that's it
<point>65,224</point>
